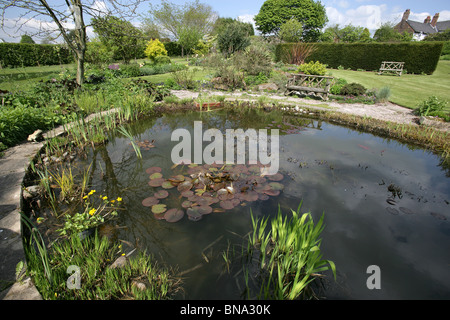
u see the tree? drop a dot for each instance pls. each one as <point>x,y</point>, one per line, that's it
<point>188,39</point>
<point>26,39</point>
<point>387,33</point>
<point>439,36</point>
<point>274,13</point>
<point>291,31</point>
<point>120,37</point>
<point>233,38</point>
<point>221,23</point>
<point>69,12</point>
<point>171,19</point>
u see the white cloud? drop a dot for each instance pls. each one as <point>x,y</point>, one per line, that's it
<point>367,16</point>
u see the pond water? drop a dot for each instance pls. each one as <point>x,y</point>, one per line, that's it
<point>384,203</point>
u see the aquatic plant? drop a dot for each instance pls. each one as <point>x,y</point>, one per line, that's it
<point>203,189</point>
<point>288,255</point>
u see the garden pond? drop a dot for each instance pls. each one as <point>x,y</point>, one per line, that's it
<point>385,203</point>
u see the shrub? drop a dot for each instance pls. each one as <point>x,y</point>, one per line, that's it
<point>431,106</point>
<point>253,61</point>
<point>294,53</point>
<point>162,60</point>
<point>154,49</point>
<point>337,85</point>
<point>130,70</point>
<point>383,94</point>
<point>353,89</point>
<point>313,68</point>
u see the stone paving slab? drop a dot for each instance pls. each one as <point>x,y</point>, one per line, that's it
<point>13,166</point>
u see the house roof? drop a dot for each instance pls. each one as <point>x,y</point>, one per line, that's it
<point>443,25</point>
<point>421,27</point>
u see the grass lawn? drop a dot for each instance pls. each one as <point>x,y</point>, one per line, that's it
<point>407,90</point>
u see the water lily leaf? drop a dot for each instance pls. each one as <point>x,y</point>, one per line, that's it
<point>156,182</point>
<point>276,186</point>
<point>226,204</point>
<point>150,201</point>
<point>159,208</point>
<point>152,170</point>
<point>161,194</point>
<point>184,186</point>
<point>204,209</point>
<point>275,177</point>
<point>156,175</point>
<point>193,214</point>
<point>272,192</point>
<point>186,204</point>
<point>173,215</point>
<point>263,196</point>
<point>187,194</point>
<point>167,185</point>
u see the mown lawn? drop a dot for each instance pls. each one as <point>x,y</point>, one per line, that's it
<point>407,90</point>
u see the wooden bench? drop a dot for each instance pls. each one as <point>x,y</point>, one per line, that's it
<point>391,67</point>
<point>306,84</point>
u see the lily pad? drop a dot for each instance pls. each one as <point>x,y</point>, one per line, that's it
<point>159,208</point>
<point>275,177</point>
<point>152,170</point>
<point>161,194</point>
<point>173,215</point>
<point>167,184</point>
<point>226,204</point>
<point>156,182</point>
<point>193,214</point>
<point>263,196</point>
<point>186,204</point>
<point>184,186</point>
<point>159,216</point>
<point>276,186</point>
<point>204,209</point>
<point>156,175</point>
<point>273,193</point>
<point>150,201</point>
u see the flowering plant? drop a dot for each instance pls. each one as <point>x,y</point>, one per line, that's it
<point>92,216</point>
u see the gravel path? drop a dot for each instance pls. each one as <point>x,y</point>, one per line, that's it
<point>382,111</point>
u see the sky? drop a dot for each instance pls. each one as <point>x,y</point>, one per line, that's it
<point>364,13</point>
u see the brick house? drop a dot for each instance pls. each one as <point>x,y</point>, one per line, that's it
<point>421,29</point>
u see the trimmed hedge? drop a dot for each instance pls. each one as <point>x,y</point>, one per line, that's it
<point>30,55</point>
<point>419,57</point>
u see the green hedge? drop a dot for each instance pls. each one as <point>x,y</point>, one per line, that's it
<point>419,57</point>
<point>27,55</point>
<point>446,48</point>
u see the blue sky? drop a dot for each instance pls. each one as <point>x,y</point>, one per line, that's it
<point>365,13</point>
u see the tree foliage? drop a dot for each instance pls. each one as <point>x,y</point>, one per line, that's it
<point>387,33</point>
<point>291,31</point>
<point>26,39</point>
<point>172,19</point>
<point>120,37</point>
<point>155,48</point>
<point>274,13</point>
<point>233,38</point>
<point>221,23</point>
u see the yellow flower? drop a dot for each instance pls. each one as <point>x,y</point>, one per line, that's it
<point>92,211</point>
<point>119,199</point>
<point>112,201</point>
<point>85,197</point>
<point>40,220</point>
<point>123,254</point>
<point>105,198</point>
<point>91,192</point>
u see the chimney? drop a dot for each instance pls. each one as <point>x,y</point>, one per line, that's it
<point>435,19</point>
<point>406,15</point>
<point>427,20</point>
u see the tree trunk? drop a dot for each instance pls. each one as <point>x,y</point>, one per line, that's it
<point>80,68</point>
